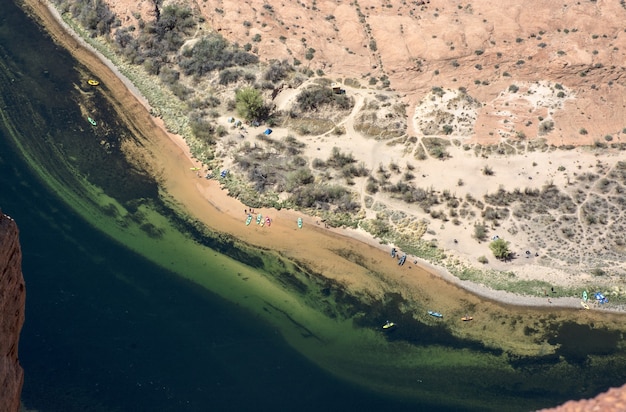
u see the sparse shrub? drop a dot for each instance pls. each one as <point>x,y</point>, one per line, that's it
<point>277,71</point>
<point>203,130</point>
<point>313,98</point>
<point>480,231</point>
<point>213,53</point>
<point>318,164</point>
<point>338,160</point>
<point>339,130</point>
<point>94,16</point>
<point>228,76</point>
<point>546,127</point>
<point>371,186</point>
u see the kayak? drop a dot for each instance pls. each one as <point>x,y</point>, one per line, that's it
<point>93,82</point>
<point>92,121</point>
<point>467,318</point>
<point>299,223</point>
<point>268,221</point>
<point>194,168</point>
<point>388,325</point>
<point>248,220</point>
<point>258,219</point>
<point>402,260</point>
<point>585,296</point>
<point>584,305</point>
<point>435,314</point>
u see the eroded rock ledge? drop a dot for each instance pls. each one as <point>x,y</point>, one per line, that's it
<point>12,305</point>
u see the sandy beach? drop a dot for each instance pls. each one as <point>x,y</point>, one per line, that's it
<point>318,247</point>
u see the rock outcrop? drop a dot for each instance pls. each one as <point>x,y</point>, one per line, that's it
<point>12,301</point>
<point>614,400</point>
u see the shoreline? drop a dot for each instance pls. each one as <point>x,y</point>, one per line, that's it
<point>227,214</point>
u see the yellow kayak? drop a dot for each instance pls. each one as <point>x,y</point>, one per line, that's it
<point>93,82</point>
<point>584,305</point>
<point>388,325</point>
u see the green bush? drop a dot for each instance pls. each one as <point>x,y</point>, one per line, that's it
<point>94,15</point>
<point>500,248</point>
<point>213,53</point>
<point>480,231</point>
<point>228,76</point>
<point>250,104</point>
<point>314,98</point>
<point>277,71</point>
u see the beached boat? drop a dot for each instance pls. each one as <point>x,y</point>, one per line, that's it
<point>585,296</point>
<point>299,223</point>
<point>435,314</point>
<point>402,260</point>
<point>467,318</point>
<point>388,325</point>
<point>584,305</point>
<point>93,82</point>
<point>268,221</point>
<point>258,219</point>
<point>248,220</point>
<point>92,121</point>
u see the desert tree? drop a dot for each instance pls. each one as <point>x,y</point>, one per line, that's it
<point>250,104</point>
<point>500,248</point>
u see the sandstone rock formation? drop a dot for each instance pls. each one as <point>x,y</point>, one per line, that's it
<point>614,400</point>
<point>12,301</point>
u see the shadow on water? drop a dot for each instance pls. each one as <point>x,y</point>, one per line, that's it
<point>578,342</point>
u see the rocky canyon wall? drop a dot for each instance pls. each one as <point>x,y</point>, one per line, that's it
<point>12,305</point>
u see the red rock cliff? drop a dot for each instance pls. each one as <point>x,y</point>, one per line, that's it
<point>12,301</point>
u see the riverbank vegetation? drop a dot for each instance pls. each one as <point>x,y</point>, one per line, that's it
<point>192,76</point>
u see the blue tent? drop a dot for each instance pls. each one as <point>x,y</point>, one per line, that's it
<point>267,132</point>
<point>601,298</point>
